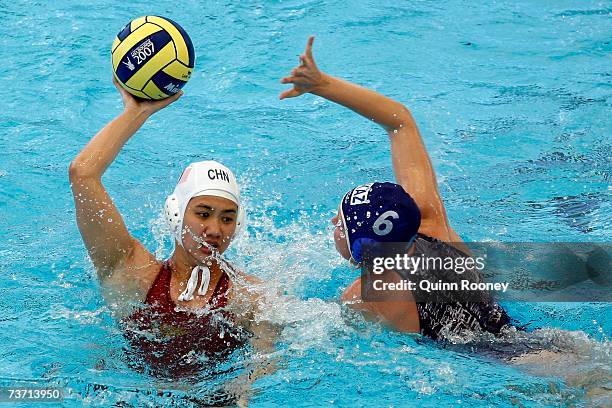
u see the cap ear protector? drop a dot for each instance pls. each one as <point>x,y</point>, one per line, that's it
<point>172,212</point>
<point>358,247</point>
<point>174,219</point>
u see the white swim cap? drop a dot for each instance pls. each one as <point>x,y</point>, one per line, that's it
<point>198,179</point>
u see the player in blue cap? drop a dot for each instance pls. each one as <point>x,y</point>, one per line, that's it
<point>409,212</point>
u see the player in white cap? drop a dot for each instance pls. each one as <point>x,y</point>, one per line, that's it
<point>204,212</point>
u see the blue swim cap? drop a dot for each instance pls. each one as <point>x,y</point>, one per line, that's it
<point>378,212</point>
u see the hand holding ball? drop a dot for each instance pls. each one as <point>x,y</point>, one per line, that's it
<point>152,57</point>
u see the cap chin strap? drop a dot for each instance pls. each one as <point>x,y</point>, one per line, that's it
<point>187,294</point>
<point>174,220</point>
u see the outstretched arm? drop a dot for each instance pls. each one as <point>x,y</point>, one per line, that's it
<point>411,164</point>
<point>105,235</point>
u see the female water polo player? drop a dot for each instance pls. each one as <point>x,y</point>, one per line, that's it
<point>205,213</point>
<point>410,211</point>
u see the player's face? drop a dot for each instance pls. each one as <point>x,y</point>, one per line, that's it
<point>211,220</point>
<point>340,237</point>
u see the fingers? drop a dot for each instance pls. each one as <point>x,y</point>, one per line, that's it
<point>124,94</point>
<point>291,93</point>
<point>309,47</point>
<point>288,80</point>
<point>298,72</point>
<point>293,76</point>
<point>156,105</point>
<point>118,85</point>
<point>173,98</point>
<point>176,96</point>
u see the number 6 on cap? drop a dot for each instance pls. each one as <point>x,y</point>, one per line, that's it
<point>383,225</point>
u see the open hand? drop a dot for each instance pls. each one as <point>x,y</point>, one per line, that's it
<point>306,77</point>
<point>149,107</point>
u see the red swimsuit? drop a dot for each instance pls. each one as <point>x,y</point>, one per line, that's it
<point>174,340</point>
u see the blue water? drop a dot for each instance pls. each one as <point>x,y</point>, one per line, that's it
<point>512,99</point>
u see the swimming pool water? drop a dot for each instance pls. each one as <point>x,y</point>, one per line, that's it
<point>512,99</point>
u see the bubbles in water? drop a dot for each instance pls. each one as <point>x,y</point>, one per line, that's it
<point>287,259</point>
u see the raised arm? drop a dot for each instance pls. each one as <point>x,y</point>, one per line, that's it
<point>105,235</point>
<point>411,164</point>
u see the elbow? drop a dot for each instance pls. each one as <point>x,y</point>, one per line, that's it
<point>74,170</point>
<point>79,171</point>
<point>399,118</point>
<point>405,119</point>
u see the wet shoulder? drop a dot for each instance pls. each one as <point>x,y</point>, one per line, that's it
<point>436,247</point>
<point>132,281</point>
<point>444,237</point>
